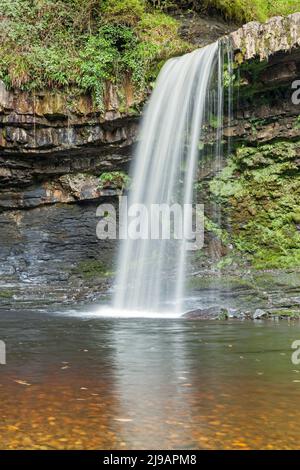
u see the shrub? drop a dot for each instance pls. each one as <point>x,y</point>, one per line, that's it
<point>82,43</point>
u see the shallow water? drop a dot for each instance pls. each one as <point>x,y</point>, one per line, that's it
<point>100,383</point>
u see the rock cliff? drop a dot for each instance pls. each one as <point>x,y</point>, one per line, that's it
<point>53,149</point>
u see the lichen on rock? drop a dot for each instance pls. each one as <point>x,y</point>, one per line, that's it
<point>278,34</point>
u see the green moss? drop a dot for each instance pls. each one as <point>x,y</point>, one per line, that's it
<point>126,12</point>
<point>6,294</point>
<point>226,282</point>
<point>248,10</point>
<point>247,83</point>
<point>295,216</point>
<point>286,313</point>
<point>81,44</point>
<point>260,191</point>
<point>212,227</point>
<point>223,315</point>
<point>297,123</point>
<point>89,269</point>
<point>114,179</point>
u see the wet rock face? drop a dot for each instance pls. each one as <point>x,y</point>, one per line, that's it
<point>261,176</point>
<point>248,295</point>
<point>53,148</point>
<point>52,152</point>
<point>263,118</point>
<point>258,190</point>
<point>52,249</point>
<point>49,240</point>
<point>46,142</point>
<point>50,122</point>
<point>63,189</point>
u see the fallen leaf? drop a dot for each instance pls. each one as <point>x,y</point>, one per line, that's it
<point>22,382</point>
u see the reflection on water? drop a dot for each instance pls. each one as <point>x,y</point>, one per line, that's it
<point>89,383</point>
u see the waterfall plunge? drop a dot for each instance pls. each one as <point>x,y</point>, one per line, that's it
<point>151,272</point>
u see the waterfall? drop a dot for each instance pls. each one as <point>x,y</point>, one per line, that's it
<point>151,272</point>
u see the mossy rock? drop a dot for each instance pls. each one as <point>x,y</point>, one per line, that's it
<point>285,313</point>
<point>296,217</point>
<point>223,282</point>
<point>6,294</point>
<point>89,269</point>
<point>259,191</point>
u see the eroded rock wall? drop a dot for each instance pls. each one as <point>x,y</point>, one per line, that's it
<point>53,149</point>
<point>52,152</point>
<point>259,188</point>
<point>51,141</point>
<point>51,254</point>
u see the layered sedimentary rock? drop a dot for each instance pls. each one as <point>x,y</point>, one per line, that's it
<point>53,149</point>
<point>259,188</point>
<point>54,145</point>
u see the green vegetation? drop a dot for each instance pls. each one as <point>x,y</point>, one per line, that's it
<point>83,43</point>
<point>223,315</point>
<point>114,179</point>
<point>260,189</point>
<point>212,227</point>
<point>248,10</point>
<point>6,294</point>
<point>285,313</point>
<point>90,269</point>
<point>224,282</point>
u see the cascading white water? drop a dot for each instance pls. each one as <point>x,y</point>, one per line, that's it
<point>151,272</point>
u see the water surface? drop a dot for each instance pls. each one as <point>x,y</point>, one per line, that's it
<point>84,382</point>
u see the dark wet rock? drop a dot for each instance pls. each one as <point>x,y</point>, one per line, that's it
<point>52,153</point>
<point>280,73</point>
<point>203,314</point>
<point>51,253</point>
<point>64,189</point>
<point>276,119</point>
<point>216,313</point>
<point>212,313</point>
<point>203,30</point>
<point>247,294</point>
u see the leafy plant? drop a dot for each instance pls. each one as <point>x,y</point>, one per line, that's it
<point>83,43</point>
<point>114,179</point>
<point>248,10</point>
